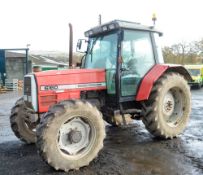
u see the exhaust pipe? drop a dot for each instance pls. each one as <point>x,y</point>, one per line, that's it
<point>100,19</point>
<point>70,45</point>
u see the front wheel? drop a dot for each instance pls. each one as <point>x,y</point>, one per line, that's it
<point>20,124</point>
<point>70,135</point>
<point>167,110</point>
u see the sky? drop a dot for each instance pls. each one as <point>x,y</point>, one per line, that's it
<point>44,23</point>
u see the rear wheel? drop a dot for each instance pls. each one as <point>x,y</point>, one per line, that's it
<point>167,110</point>
<point>20,124</point>
<point>70,135</point>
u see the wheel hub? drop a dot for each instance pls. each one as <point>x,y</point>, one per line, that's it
<point>169,104</point>
<point>173,106</point>
<point>75,136</point>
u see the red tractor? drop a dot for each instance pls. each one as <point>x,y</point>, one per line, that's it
<point>122,76</point>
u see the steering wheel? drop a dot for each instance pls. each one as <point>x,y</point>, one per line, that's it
<point>131,66</point>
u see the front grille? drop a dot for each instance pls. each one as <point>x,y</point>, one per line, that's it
<point>27,86</point>
<point>48,100</point>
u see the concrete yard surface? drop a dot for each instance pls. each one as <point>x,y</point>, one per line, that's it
<point>127,151</point>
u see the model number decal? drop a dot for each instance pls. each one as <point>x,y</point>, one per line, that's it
<point>49,88</point>
<point>71,86</point>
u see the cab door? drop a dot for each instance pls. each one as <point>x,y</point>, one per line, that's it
<point>137,60</point>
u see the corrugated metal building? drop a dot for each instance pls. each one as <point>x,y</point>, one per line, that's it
<point>13,65</point>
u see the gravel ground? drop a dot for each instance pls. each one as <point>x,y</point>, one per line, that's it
<point>129,150</point>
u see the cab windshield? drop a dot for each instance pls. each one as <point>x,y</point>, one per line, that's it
<point>102,52</point>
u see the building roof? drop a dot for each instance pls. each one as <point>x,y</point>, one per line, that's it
<point>9,54</point>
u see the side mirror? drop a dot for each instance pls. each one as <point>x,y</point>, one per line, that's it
<point>79,44</point>
<point>82,45</point>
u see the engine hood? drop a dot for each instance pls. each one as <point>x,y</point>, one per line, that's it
<point>65,79</point>
<point>65,72</point>
<point>55,86</point>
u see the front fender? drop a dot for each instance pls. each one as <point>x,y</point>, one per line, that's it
<point>153,75</point>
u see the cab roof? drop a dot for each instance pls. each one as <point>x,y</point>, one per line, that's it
<point>119,24</point>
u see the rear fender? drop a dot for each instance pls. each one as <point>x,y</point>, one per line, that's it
<point>181,70</point>
<point>154,74</point>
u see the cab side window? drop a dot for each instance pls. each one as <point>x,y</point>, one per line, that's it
<point>137,52</point>
<point>138,58</point>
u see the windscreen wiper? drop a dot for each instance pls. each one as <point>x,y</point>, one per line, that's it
<point>93,44</point>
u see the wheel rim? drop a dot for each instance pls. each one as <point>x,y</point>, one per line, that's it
<point>173,106</point>
<point>30,126</point>
<point>76,136</point>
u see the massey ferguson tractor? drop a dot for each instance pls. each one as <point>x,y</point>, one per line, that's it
<point>122,77</point>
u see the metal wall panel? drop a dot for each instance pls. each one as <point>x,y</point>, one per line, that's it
<point>2,66</point>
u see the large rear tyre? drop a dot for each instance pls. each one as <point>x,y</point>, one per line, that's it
<point>21,127</point>
<point>167,110</point>
<point>70,135</point>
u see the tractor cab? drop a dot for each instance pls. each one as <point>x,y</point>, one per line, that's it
<point>126,50</point>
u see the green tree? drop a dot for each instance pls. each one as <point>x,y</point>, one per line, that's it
<point>184,53</point>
